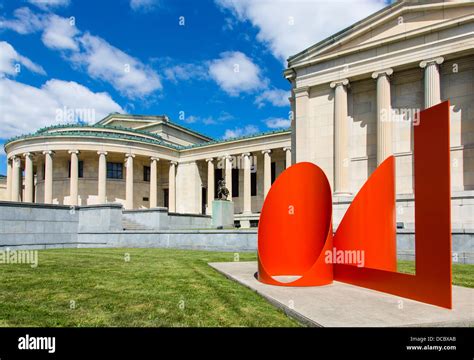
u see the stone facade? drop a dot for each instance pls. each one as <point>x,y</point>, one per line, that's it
<point>142,162</point>
<point>356,96</point>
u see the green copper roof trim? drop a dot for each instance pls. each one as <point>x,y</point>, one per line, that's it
<point>44,132</point>
<point>164,118</point>
<point>215,142</point>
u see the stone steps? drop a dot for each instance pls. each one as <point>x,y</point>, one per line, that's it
<point>129,225</point>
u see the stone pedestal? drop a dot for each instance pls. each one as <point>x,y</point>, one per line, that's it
<point>222,214</point>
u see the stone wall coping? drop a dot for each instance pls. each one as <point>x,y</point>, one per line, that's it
<point>189,215</point>
<point>35,205</point>
<point>207,231</point>
<point>99,206</point>
<point>157,209</point>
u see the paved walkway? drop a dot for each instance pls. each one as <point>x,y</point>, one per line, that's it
<point>343,305</point>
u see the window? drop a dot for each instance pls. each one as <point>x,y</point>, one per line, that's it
<point>80,167</point>
<point>235,183</point>
<point>253,183</point>
<point>273,172</point>
<point>114,170</point>
<point>146,173</point>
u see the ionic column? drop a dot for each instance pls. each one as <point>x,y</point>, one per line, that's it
<point>48,177</point>
<point>129,181</point>
<point>210,184</point>
<point>267,171</point>
<point>29,177</point>
<point>9,179</point>
<point>384,111</point>
<point>228,175</point>
<point>432,81</point>
<point>74,179</point>
<point>102,178</point>
<point>341,137</point>
<point>154,182</point>
<point>301,128</point>
<point>247,208</point>
<point>172,187</point>
<point>287,151</point>
<point>16,178</point>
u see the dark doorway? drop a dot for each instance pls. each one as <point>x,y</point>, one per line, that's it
<point>165,198</point>
<point>204,200</point>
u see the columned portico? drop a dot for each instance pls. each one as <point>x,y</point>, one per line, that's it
<point>247,203</point>
<point>102,177</point>
<point>154,182</point>
<point>172,187</point>
<point>341,137</point>
<point>48,177</point>
<point>129,181</point>
<point>74,178</point>
<point>432,81</point>
<point>267,171</point>
<point>16,178</point>
<point>384,111</point>
<point>210,185</point>
<point>29,178</point>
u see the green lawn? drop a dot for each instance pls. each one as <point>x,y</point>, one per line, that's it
<point>157,287</point>
<point>463,274</point>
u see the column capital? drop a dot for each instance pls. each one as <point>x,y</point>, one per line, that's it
<point>154,158</point>
<point>173,163</point>
<point>129,155</point>
<point>435,61</point>
<point>287,148</point>
<point>28,154</point>
<point>209,159</point>
<point>342,82</point>
<point>268,151</point>
<point>73,152</point>
<point>385,72</point>
<point>102,153</point>
<point>301,91</point>
<point>48,152</point>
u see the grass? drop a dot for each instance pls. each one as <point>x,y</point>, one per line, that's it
<point>157,287</point>
<point>463,274</point>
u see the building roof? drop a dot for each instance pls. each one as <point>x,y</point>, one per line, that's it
<point>117,132</point>
<point>335,37</point>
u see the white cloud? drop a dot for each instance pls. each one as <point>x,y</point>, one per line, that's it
<point>287,27</point>
<point>185,72</point>
<point>48,4</point>
<point>105,62</point>
<point>99,58</point>
<point>278,123</point>
<point>235,73</point>
<point>59,33</point>
<point>11,61</point>
<point>276,97</point>
<point>143,5</point>
<point>26,108</point>
<point>237,132</point>
<point>24,22</point>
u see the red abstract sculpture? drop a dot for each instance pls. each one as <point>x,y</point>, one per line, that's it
<point>295,232</point>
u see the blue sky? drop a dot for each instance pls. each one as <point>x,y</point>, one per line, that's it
<point>212,65</point>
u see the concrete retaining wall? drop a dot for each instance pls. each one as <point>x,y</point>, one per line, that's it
<point>160,219</point>
<point>37,226</point>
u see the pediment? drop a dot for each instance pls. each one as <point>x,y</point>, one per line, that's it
<point>393,23</point>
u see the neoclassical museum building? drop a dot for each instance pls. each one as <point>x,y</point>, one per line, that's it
<point>355,99</point>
